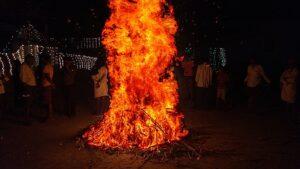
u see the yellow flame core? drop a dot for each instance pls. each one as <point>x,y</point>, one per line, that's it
<point>139,38</point>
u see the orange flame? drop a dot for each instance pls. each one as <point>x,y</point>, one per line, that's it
<point>139,38</point>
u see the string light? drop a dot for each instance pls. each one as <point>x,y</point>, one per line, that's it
<point>217,57</point>
<point>81,61</point>
<point>13,56</point>
<point>22,54</point>
<point>9,63</point>
<point>89,43</point>
<point>2,66</point>
<point>223,58</point>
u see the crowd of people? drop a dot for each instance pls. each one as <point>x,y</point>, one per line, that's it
<point>30,88</point>
<point>212,87</point>
<point>199,85</point>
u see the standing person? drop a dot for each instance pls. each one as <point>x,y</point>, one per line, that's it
<point>288,81</point>
<point>28,81</point>
<point>100,80</point>
<point>188,67</point>
<point>69,74</point>
<point>47,85</point>
<point>178,72</point>
<point>203,82</point>
<point>222,87</point>
<point>9,94</point>
<point>17,84</point>
<point>255,74</point>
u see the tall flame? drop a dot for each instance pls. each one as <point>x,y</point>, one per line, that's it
<point>139,38</point>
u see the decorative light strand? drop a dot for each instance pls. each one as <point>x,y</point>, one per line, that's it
<point>9,63</point>
<point>2,66</point>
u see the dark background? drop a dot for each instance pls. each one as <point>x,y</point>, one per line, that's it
<point>268,30</point>
<point>258,24</point>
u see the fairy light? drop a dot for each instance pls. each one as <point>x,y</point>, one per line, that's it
<point>36,53</point>
<point>13,56</point>
<point>223,58</point>
<point>213,56</point>
<point>61,60</point>
<point>18,55</point>
<point>218,57</point>
<point>2,66</point>
<point>22,54</point>
<point>9,63</point>
<point>88,43</point>
<point>81,61</point>
<point>31,50</point>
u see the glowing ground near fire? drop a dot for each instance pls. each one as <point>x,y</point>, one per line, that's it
<point>140,44</point>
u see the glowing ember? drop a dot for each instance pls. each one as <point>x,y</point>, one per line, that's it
<point>139,38</point>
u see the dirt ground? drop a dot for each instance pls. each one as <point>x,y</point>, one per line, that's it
<point>231,140</point>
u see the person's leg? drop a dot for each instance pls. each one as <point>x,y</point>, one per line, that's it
<point>50,102</point>
<point>180,90</point>
<point>294,113</point>
<point>97,106</point>
<point>10,103</point>
<point>256,97</point>
<point>218,98</point>
<point>103,101</point>
<point>65,101</point>
<point>190,88</point>
<point>29,104</point>
<point>185,90</point>
<point>224,99</point>
<point>69,107</point>
<point>251,95</point>
<point>1,105</point>
<point>46,102</point>
<point>200,97</point>
<point>207,98</point>
<point>101,105</point>
<point>72,100</point>
<point>211,97</point>
<point>196,98</point>
<point>289,110</point>
<point>107,104</point>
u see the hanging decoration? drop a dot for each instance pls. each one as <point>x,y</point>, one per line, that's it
<point>29,34</point>
<point>217,57</point>
<point>89,43</point>
<point>2,66</point>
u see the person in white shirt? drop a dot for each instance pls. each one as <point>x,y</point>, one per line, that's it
<point>100,80</point>
<point>253,80</point>
<point>204,75</point>
<point>288,81</point>
<point>28,80</point>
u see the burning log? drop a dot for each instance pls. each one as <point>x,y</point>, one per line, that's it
<point>181,141</point>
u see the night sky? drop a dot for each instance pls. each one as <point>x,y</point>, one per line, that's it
<point>256,27</point>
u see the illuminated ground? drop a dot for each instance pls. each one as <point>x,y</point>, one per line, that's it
<point>232,140</point>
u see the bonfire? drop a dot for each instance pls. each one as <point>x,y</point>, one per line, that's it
<point>140,44</point>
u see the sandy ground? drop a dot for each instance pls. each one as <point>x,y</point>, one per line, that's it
<point>232,140</point>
